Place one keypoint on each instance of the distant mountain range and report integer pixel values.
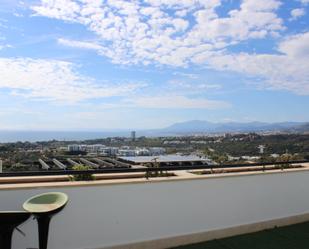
(184, 128)
(199, 126)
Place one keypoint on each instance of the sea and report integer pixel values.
(35, 136)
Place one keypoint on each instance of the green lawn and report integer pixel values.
(290, 237)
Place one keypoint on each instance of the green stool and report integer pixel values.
(43, 207)
(9, 220)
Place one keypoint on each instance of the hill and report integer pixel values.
(200, 126)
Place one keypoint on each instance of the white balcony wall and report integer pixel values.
(106, 215)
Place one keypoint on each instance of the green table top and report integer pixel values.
(46, 202)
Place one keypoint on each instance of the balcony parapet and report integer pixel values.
(24, 182)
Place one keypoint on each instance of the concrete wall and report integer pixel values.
(107, 215)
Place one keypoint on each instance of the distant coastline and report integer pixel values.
(192, 127)
(35, 136)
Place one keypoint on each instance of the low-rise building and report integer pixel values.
(126, 152)
(74, 147)
(156, 151)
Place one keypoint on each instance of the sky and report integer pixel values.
(115, 64)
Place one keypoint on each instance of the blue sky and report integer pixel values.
(95, 65)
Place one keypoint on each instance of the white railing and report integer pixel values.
(107, 215)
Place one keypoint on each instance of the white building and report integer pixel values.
(126, 152)
(253, 158)
(74, 147)
(142, 152)
(156, 151)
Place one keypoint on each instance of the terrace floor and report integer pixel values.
(289, 237)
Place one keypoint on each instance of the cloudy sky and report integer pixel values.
(96, 64)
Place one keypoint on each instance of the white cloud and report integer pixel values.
(155, 31)
(296, 46)
(288, 70)
(304, 1)
(4, 46)
(187, 75)
(176, 102)
(192, 87)
(55, 80)
(58, 81)
(296, 13)
(79, 44)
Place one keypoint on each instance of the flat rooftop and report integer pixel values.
(164, 159)
(289, 237)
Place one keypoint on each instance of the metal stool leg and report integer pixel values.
(6, 238)
(43, 226)
(9, 221)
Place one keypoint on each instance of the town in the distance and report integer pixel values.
(145, 151)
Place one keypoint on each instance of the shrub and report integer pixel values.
(82, 177)
(157, 173)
